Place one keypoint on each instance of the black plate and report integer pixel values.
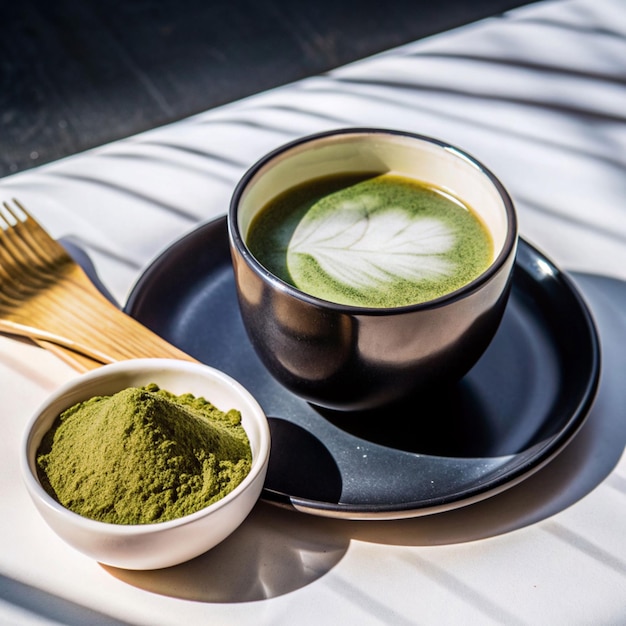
(514, 411)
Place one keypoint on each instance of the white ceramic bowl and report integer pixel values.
(151, 546)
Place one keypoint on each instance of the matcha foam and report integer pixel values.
(374, 241)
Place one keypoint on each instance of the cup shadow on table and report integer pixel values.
(277, 551)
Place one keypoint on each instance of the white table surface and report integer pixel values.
(540, 97)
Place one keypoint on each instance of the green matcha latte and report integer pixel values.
(372, 241)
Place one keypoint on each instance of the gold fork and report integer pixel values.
(46, 296)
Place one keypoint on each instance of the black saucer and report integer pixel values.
(514, 411)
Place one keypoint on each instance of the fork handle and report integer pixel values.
(78, 361)
(135, 340)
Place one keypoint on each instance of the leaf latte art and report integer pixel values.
(362, 249)
(373, 241)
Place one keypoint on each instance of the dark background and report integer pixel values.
(79, 73)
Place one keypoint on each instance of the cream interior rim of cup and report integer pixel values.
(423, 159)
(413, 156)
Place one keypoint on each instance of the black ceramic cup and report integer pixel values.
(351, 358)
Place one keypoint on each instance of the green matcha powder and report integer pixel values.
(143, 455)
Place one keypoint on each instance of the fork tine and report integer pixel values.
(11, 273)
(22, 267)
(31, 260)
(10, 237)
(46, 295)
(12, 292)
(48, 258)
(38, 241)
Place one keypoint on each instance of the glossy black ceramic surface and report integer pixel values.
(351, 358)
(516, 409)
